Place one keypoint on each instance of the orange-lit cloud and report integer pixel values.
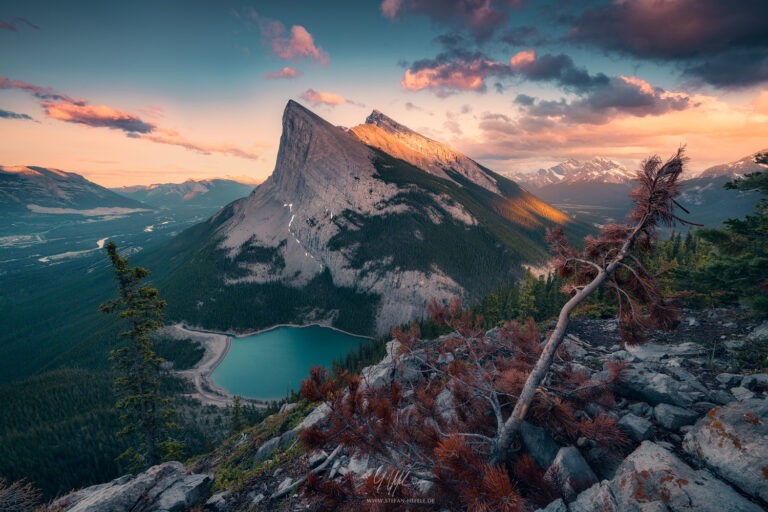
(446, 78)
(286, 72)
(325, 98)
(97, 116)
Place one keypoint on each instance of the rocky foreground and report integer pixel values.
(699, 425)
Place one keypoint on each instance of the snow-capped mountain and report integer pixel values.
(41, 190)
(597, 170)
(347, 224)
(212, 193)
(736, 168)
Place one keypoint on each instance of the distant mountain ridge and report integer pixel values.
(349, 230)
(596, 191)
(207, 193)
(736, 168)
(30, 188)
(596, 170)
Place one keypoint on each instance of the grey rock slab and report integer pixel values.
(166, 487)
(638, 428)
(741, 393)
(538, 444)
(571, 471)
(733, 442)
(654, 479)
(184, 493)
(673, 417)
(444, 403)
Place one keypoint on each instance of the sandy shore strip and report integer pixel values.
(238, 334)
(216, 347)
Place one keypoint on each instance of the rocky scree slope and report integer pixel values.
(341, 224)
(700, 432)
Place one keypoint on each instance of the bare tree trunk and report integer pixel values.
(507, 433)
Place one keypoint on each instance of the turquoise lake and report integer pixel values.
(266, 365)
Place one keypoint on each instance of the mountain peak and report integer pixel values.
(385, 122)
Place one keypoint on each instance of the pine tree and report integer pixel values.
(740, 262)
(526, 301)
(145, 413)
(236, 419)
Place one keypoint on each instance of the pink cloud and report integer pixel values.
(522, 58)
(297, 45)
(324, 98)
(286, 72)
(448, 77)
(97, 116)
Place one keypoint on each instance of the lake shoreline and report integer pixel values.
(217, 345)
(237, 334)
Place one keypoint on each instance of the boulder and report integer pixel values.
(756, 379)
(319, 413)
(640, 409)
(285, 484)
(164, 488)
(638, 428)
(653, 479)
(672, 417)
(274, 444)
(317, 458)
(538, 444)
(358, 464)
(759, 332)
(729, 379)
(653, 387)
(445, 405)
(571, 472)
(217, 502)
(733, 442)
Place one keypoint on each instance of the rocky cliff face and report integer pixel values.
(382, 211)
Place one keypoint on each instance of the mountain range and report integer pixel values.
(358, 227)
(208, 193)
(596, 190)
(42, 190)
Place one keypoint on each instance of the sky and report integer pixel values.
(129, 93)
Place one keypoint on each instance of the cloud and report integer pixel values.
(480, 17)
(520, 36)
(286, 72)
(42, 93)
(622, 95)
(7, 114)
(173, 138)
(100, 116)
(64, 108)
(459, 70)
(326, 98)
(451, 72)
(296, 45)
(719, 42)
(12, 25)
(453, 127)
